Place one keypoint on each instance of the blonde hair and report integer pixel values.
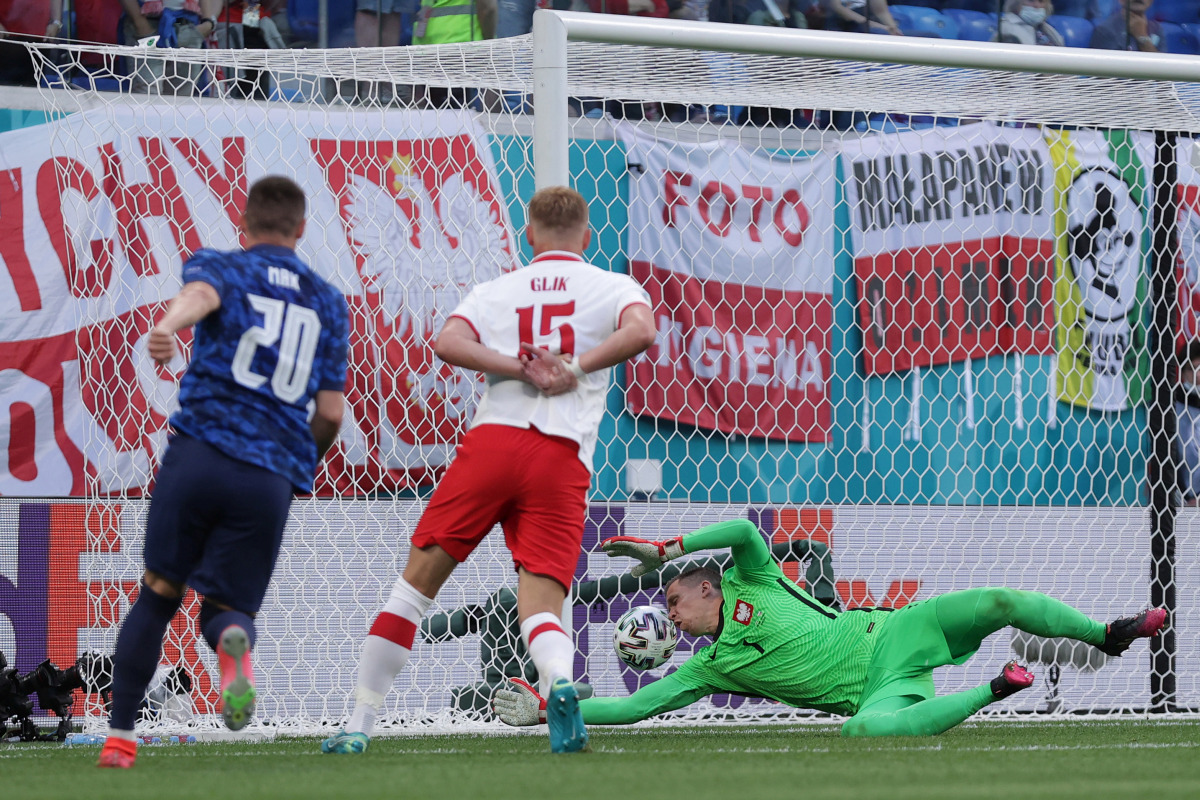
(558, 209)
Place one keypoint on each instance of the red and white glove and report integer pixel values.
(518, 704)
(652, 554)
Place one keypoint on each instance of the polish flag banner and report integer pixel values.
(100, 210)
(735, 248)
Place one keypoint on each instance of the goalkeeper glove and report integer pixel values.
(652, 554)
(518, 704)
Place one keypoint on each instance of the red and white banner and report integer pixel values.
(953, 244)
(1189, 241)
(99, 211)
(736, 250)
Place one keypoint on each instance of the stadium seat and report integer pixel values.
(919, 21)
(304, 19)
(1177, 11)
(1076, 32)
(1071, 8)
(1194, 29)
(973, 26)
(1100, 9)
(1177, 39)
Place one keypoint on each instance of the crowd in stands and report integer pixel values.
(1146, 25)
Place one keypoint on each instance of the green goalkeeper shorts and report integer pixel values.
(910, 647)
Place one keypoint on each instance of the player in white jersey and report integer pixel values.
(545, 335)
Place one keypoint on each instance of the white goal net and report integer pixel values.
(914, 321)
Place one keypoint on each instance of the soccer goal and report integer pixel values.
(918, 304)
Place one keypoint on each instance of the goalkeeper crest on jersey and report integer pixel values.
(772, 639)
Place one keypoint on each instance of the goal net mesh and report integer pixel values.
(904, 324)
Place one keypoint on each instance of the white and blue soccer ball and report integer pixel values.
(645, 638)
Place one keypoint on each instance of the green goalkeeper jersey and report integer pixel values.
(774, 641)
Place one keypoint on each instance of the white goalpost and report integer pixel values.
(917, 306)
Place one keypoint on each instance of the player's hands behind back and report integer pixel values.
(518, 704)
(652, 555)
(547, 371)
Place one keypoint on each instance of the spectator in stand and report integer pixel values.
(862, 16)
(1128, 28)
(1187, 411)
(28, 20)
(1024, 22)
(772, 13)
(377, 24)
(450, 22)
(247, 25)
(187, 24)
(637, 8)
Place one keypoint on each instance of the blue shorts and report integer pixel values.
(216, 523)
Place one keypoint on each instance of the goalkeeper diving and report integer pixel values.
(772, 639)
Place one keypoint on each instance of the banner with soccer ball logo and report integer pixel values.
(1100, 222)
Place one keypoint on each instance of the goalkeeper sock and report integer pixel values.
(385, 653)
(550, 647)
(139, 645)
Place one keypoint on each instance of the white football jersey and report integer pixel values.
(565, 305)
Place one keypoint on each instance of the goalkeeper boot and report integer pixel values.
(567, 734)
(117, 753)
(1120, 633)
(342, 742)
(1012, 679)
(237, 678)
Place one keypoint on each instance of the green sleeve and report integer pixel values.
(666, 694)
(741, 536)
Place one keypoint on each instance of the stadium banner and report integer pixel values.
(735, 248)
(68, 570)
(950, 231)
(98, 215)
(1102, 226)
(1189, 242)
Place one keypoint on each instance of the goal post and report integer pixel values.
(917, 304)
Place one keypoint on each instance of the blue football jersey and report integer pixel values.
(280, 335)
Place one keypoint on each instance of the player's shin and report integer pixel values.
(549, 647)
(139, 645)
(385, 653)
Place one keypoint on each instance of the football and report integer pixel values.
(645, 638)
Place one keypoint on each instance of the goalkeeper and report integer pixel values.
(772, 639)
(503, 653)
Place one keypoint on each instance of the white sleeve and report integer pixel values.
(470, 309)
(627, 292)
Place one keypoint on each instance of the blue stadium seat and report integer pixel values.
(919, 21)
(304, 19)
(1100, 9)
(1076, 32)
(1071, 8)
(1176, 39)
(1193, 28)
(1178, 11)
(973, 26)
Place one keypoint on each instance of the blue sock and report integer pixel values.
(139, 645)
(214, 621)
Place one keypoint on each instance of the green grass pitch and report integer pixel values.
(1132, 760)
